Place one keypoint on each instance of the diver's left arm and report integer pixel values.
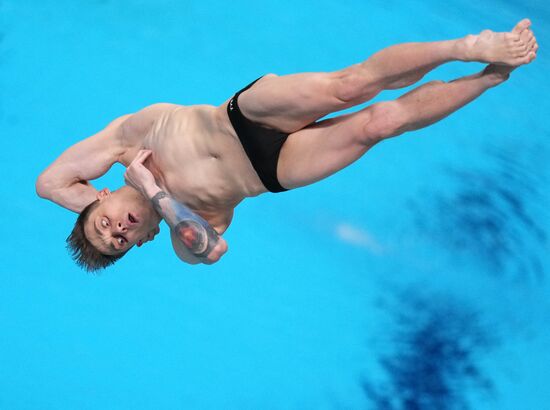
(194, 240)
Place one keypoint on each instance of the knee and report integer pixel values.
(352, 85)
(383, 120)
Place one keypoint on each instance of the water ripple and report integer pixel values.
(436, 343)
(493, 213)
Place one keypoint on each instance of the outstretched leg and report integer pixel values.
(291, 102)
(324, 148)
(404, 64)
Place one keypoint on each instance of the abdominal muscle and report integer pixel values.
(198, 160)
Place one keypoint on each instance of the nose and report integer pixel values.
(121, 227)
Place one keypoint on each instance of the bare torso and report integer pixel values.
(198, 159)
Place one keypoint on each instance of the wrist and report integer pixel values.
(152, 190)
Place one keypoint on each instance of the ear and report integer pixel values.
(104, 193)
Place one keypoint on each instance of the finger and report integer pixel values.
(141, 156)
(128, 175)
(144, 151)
(127, 180)
(144, 154)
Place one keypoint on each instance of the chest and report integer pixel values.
(190, 162)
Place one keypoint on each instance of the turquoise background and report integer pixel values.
(414, 279)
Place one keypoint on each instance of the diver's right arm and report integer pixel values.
(66, 180)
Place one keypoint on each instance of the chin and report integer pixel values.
(150, 217)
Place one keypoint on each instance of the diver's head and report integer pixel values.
(107, 228)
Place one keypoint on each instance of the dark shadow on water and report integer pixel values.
(431, 354)
(493, 213)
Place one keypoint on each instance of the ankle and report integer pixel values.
(463, 47)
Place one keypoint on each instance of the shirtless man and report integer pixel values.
(192, 165)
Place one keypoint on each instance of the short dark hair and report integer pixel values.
(86, 255)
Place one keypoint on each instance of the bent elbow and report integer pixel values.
(219, 250)
(210, 260)
(41, 187)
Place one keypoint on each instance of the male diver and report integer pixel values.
(192, 165)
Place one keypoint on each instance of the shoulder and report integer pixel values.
(135, 127)
(140, 122)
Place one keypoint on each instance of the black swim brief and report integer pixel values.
(262, 145)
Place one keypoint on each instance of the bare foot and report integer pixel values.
(530, 41)
(512, 48)
(497, 73)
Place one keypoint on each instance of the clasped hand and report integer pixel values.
(139, 177)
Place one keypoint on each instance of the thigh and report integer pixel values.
(323, 148)
(291, 102)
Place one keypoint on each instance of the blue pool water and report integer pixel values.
(417, 278)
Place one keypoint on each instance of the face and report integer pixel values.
(122, 219)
